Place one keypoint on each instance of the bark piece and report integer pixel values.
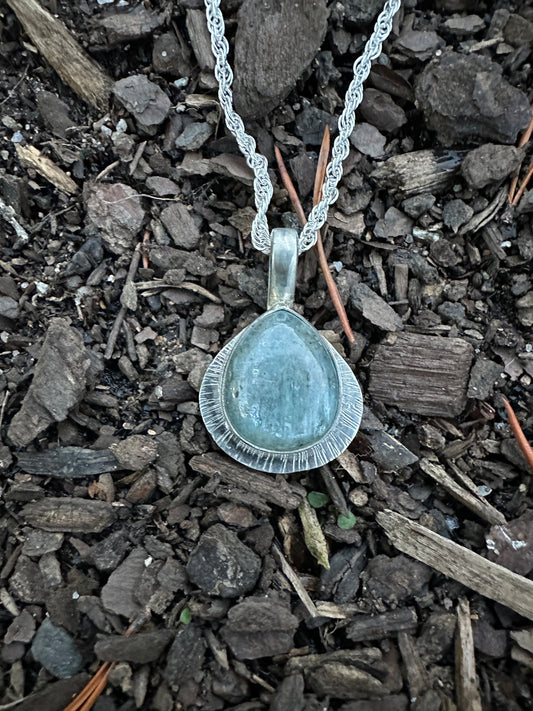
(141, 648)
(419, 172)
(274, 44)
(55, 649)
(145, 101)
(62, 51)
(58, 384)
(69, 514)
(68, 462)
(222, 565)
(186, 655)
(275, 490)
(259, 628)
(396, 579)
(181, 226)
(427, 375)
(487, 578)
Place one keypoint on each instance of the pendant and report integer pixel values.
(278, 397)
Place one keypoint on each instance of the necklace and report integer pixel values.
(278, 397)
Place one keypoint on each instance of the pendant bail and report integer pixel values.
(282, 268)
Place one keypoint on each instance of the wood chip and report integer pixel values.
(427, 375)
(466, 683)
(63, 52)
(68, 462)
(468, 568)
(313, 534)
(31, 157)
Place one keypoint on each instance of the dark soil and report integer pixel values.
(117, 289)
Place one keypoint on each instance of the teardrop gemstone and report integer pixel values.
(281, 387)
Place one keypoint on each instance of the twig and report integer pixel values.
(459, 563)
(295, 582)
(144, 248)
(334, 491)
(524, 445)
(123, 309)
(523, 140)
(319, 247)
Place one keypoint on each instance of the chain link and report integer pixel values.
(341, 146)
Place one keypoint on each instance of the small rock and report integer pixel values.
(303, 168)
(55, 649)
(484, 375)
(222, 565)
(380, 110)
(452, 312)
(118, 594)
(436, 636)
(518, 31)
(511, 544)
(140, 648)
(169, 57)
(54, 112)
(465, 26)
(311, 122)
(443, 253)
(358, 11)
(58, 384)
(481, 105)
(135, 452)
(161, 186)
(145, 101)
(185, 658)
(368, 140)
(259, 628)
(107, 553)
(417, 205)
(273, 47)
(490, 163)
(419, 44)
(393, 224)
(181, 226)
(193, 136)
(455, 213)
(396, 579)
(21, 629)
(116, 213)
(9, 308)
(374, 308)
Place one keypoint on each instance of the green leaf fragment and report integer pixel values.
(186, 616)
(317, 499)
(346, 522)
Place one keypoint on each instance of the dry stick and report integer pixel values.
(319, 248)
(466, 683)
(295, 582)
(62, 51)
(524, 185)
(468, 568)
(123, 309)
(524, 445)
(523, 140)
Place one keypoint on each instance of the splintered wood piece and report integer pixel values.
(69, 514)
(386, 624)
(31, 157)
(468, 568)
(418, 172)
(295, 581)
(63, 52)
(68, 462)
(417, 676)
(476, 504)
(466, 683)
(427, 375)
(275, 490)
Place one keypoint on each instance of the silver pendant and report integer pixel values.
(278, 397)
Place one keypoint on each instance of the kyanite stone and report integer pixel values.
(281, 389)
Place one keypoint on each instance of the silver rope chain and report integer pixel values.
(341, 146)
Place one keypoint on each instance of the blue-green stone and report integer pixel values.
(281, 388)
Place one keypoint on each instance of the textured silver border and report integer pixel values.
(333, 443)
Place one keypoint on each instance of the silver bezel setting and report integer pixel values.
(334, 442)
